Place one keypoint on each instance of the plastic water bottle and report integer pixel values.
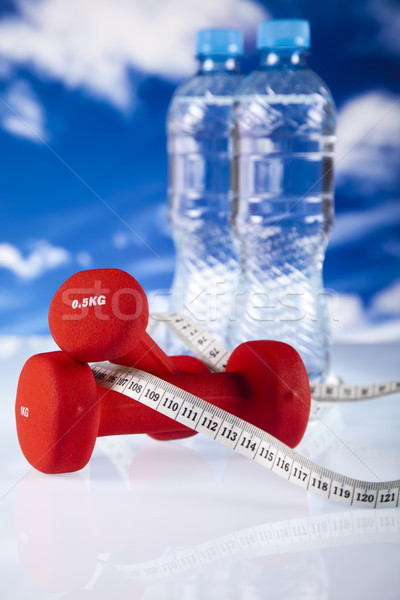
(282, 186)
(199, 152)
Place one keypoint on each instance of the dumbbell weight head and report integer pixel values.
(98, 314)
(265, 383)
(57, 412)
(102, 314)
(60, 411)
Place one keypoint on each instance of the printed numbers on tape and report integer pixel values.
(244, 438)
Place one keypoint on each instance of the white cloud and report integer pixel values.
(43, 257)
(9, 346)
(120, 240)
(354, 323)
(157, 265)
(387, 14)
(368, 141)
(16, 346)
(84, 259)
(356, 225)
(387, 302)
(392, 247)
(152, 221)
(22, 113)
(8, 300)
(94, 45)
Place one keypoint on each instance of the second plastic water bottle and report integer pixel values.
(199, 152)
(283, 135)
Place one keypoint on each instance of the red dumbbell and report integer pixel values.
(60, 410)
(102, 314)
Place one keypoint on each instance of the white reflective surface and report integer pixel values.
(189, 520)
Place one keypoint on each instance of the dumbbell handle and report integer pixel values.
(149, 357)
(120, 414)
(265, 383)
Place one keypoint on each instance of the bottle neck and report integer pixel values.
(218, 64)
(283, 59)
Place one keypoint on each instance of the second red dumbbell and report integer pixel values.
(60, 410)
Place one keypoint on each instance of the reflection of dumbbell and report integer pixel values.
(56, 535)
(63, 525)
(60, 410)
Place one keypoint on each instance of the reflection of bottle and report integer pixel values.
(283, 139)
(199, 174)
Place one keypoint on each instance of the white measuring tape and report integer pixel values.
(244, 438)
(240, 436)
(215, 356)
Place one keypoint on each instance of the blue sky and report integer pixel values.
(84, 89)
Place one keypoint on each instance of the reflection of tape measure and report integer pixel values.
(280, 537)
(244, 438)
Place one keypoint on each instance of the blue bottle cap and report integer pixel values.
(284, 33)
(223, 42)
